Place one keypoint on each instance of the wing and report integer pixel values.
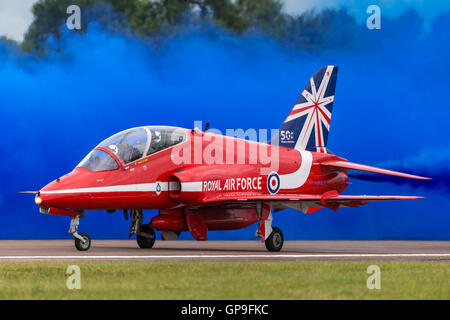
(362, 167)
(304, 202)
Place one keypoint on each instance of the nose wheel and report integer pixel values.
(82, 240)
(85, 244)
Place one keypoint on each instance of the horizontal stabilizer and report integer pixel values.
(362, 167)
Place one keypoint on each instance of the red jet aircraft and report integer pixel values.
(202, 181)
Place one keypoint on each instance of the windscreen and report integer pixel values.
(99, 160)
(128, 145)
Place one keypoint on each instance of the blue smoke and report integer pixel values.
(431, 163)
(390, 103)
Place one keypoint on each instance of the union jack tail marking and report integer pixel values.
(307, 125)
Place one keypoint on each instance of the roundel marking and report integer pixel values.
(273, 182)
(158, 188)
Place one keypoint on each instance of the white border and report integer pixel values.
(243, 256)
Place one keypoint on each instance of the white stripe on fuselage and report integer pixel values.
(142, 187)
(191, 186)
(297, 178)
(120, 188)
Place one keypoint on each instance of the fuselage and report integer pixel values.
(203, 166)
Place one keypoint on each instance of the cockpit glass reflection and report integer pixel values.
(99, 160)
(128, 145)
(131, 145)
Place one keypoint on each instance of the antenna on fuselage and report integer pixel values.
(198, 131)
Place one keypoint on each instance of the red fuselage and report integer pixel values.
(162, 181)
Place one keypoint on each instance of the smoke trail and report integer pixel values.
(431, 163)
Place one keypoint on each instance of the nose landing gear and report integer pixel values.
(82, 241)
(85, 244)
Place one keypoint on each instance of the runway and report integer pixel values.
(127, 250)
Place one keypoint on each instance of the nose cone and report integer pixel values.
(49, 196)
(57, 193)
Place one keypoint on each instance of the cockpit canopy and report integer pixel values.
(131, 145)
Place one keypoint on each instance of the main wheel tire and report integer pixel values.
(145, 242)
(83, 246)
(275, 241)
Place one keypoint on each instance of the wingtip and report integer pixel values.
(416, 177)
(413, 198)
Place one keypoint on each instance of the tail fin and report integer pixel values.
(308, 123)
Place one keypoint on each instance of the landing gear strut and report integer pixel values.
(82, 241)
(272, 236)
(145, 235)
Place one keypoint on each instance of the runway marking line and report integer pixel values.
(363, 255)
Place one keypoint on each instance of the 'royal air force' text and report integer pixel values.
(233, 184)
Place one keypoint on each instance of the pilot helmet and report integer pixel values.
(156, 136)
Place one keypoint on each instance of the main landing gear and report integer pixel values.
(145, 235)
(271, 236)
(275, 241)
(82, 240)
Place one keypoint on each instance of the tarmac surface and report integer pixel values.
(127, 250)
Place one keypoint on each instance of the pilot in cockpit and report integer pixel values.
(156, 142)
(128, 153)
(131, 145)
